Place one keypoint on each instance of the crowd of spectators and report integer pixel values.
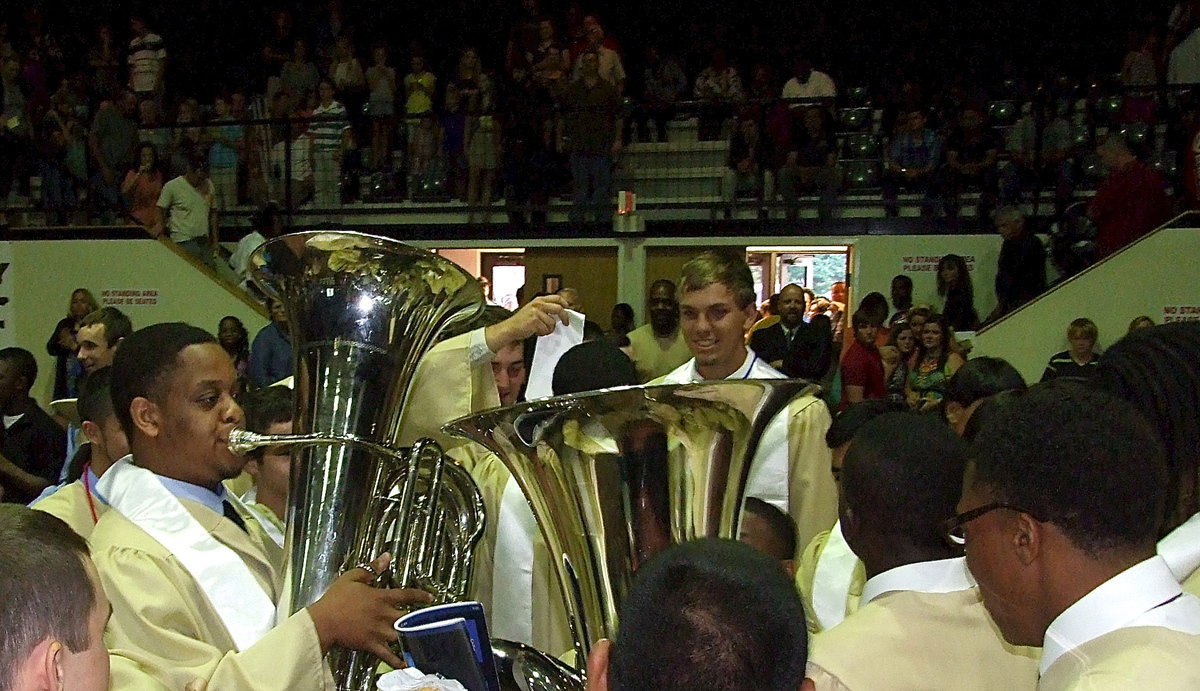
(94, 126)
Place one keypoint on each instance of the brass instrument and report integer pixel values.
(615, 476)
(362, 311)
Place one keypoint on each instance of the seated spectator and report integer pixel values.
(719, 86)
(808, 83)
(954, 284)
(53, 636)
(933, 365)
(32, 446)
(974, 382)
(1079, 361)
(811, 165)
(734, 619)
(911, 163)
(142, 187)
(268, 223)
(862, 367)
(747, 153)
(1028, 168)
(971, 151)
(663, 83)
(921, 617)
(1131, 202)
(1060, 511)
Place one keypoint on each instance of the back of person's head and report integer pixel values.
(901, 480)
(116, 324)
(710, 614)
(592, 330)
(986, 412)
(981, 377)
(95, 396)
(725, 268)
(46, 588)
(590, 366)
(1080, 459)
(779, 540)
(849, 421)
(144, 363)
(21, 364)
(1158, 371)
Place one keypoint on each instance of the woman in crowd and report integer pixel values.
(67, 370)
(898, 359)
(346, 73)
(468, 95)
(142, 186)
(234, 338)
(934, 364)
(954, 284)
(381, 106)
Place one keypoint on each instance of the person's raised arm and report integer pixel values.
(537, 318)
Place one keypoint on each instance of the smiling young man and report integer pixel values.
(194, 584)
(100, 333)
(1060, 511)
(53, 636)
(791, 467)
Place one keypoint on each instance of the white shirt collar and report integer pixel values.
(1113, 605)
(750, 368)
(1181, 549)
(940, 576)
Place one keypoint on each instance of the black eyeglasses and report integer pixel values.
(953, 529)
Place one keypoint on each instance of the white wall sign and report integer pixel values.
(1180, 313)
(128, 296)
(916, 264)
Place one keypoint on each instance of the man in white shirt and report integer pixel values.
(1060, 510)
(187, 214)
(920, 616)
(791, 467)
(807, 82)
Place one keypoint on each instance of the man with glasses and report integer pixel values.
(921, 622)
(1060, 510)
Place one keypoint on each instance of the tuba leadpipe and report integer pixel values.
(362, 311)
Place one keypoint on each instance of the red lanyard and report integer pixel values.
(87, 488)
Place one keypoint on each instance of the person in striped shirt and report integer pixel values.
(328, 126)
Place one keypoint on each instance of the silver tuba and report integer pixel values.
(615, 476)
(361, 312)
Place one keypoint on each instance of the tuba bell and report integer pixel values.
(362, 311)
(615, 476)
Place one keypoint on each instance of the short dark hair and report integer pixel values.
(874, 305)
(903, 476)
(1079, 458)
(590, 366)
(732, 617)
(116, 324)
(849, 421)
(266, 407)
(23, 364)
(1158, 370)
(41, 553)
(95, 396)
(146, 360)
(783, 526)
(982, 377)
(988, 409)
